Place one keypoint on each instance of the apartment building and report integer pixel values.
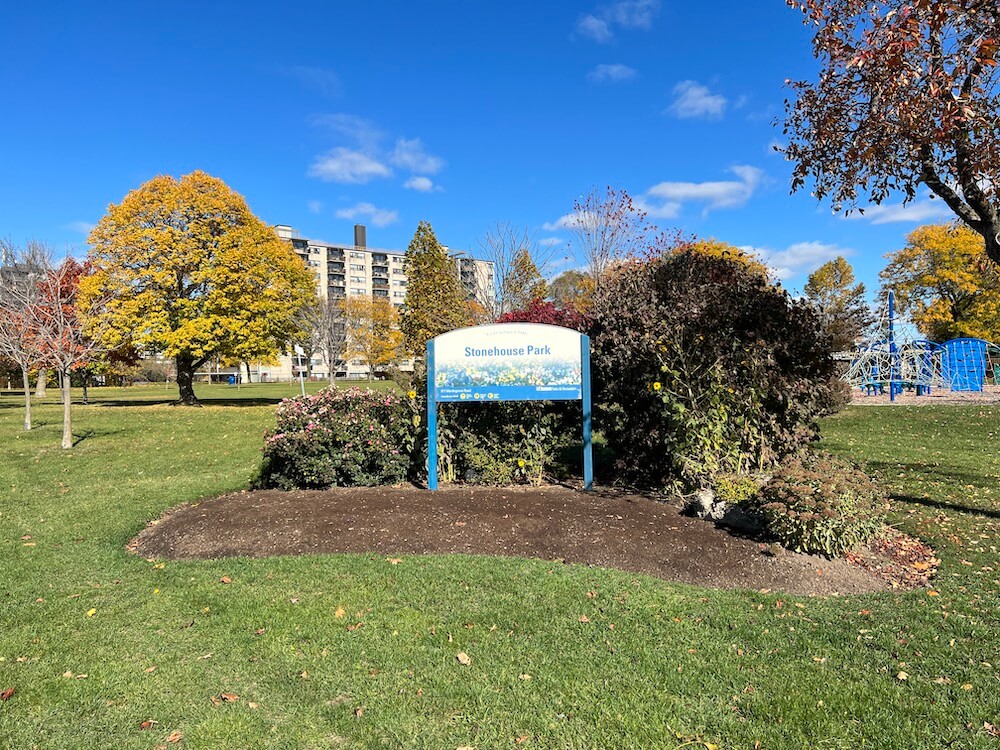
(344, 270)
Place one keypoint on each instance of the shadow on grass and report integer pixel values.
(172, 401)
(79, 437)
(941, 505)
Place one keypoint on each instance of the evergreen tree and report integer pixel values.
(436, 301)
(840, 302)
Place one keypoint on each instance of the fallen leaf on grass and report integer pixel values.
(68, 673)
(148, 724)
(253, 705)
(229, 697)
(966, 686)
(902, 676)
(463, 658)
(524, 676)
(6, 694)
(174, 737)
(933, 593)
(149, 670)
(260, 631)
(584, 618)
(91, 612)
(359, 711)
(225, 579)
(522, 739)
(990, 729)
(340, 612)
(394, 560)
(354, 627)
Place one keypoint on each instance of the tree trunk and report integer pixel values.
(43, 376)
(27, 398)
(249, 376)
(67, 438)
(185, 381)
(86, 379)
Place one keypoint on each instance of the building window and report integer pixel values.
(399, 282)
(357, 279)
(357, 255)
(356, 267)
(399, 294)
(355, 290)
(399, 272)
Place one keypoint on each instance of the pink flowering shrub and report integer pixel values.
(341, 437)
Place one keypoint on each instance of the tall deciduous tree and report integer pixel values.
(372, 329)
(68, 346)
(840, 302)
(324, 322)
(21, 271)
(609, 228)
(572, 290)
(906, 94)
(195, 275)
(518, 264)
(944, 280)
(435, 298)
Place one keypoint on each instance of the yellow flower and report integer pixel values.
(520, 462)
(412, 394)
(657, 386)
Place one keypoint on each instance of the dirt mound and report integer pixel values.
(603, 528)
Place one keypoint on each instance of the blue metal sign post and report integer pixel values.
(508, 362)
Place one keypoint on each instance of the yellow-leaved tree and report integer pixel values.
(193, 274)
(719, 249)
(945, 281)
(371, 328)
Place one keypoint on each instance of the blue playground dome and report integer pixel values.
(893, 362)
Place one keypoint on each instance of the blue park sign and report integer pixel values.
(508, 362)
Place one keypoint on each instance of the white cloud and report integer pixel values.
(551, 242)
(83, 227)
(409, 154)
(345, 165)
(719, 194)
(380, 217)
(594, 28)
(663, 209)
(421, 184)
(566, 221)
(614, 73)
(802, 257)
(366, 133)
(695, 100)
(626, 14)
(633, 14)
(323, 80)
(914, 212)
(315, 207)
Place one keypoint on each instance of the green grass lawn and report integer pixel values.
(354, 652)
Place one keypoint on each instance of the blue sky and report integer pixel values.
(461, 113)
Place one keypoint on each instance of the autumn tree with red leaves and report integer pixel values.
(906, 95)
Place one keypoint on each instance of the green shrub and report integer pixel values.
(507, 443)
(701, 368)
(341, 437)
(821, 505)
(735, 489)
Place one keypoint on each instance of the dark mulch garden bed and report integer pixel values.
(605, 528)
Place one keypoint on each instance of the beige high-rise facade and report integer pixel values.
(344, 270)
